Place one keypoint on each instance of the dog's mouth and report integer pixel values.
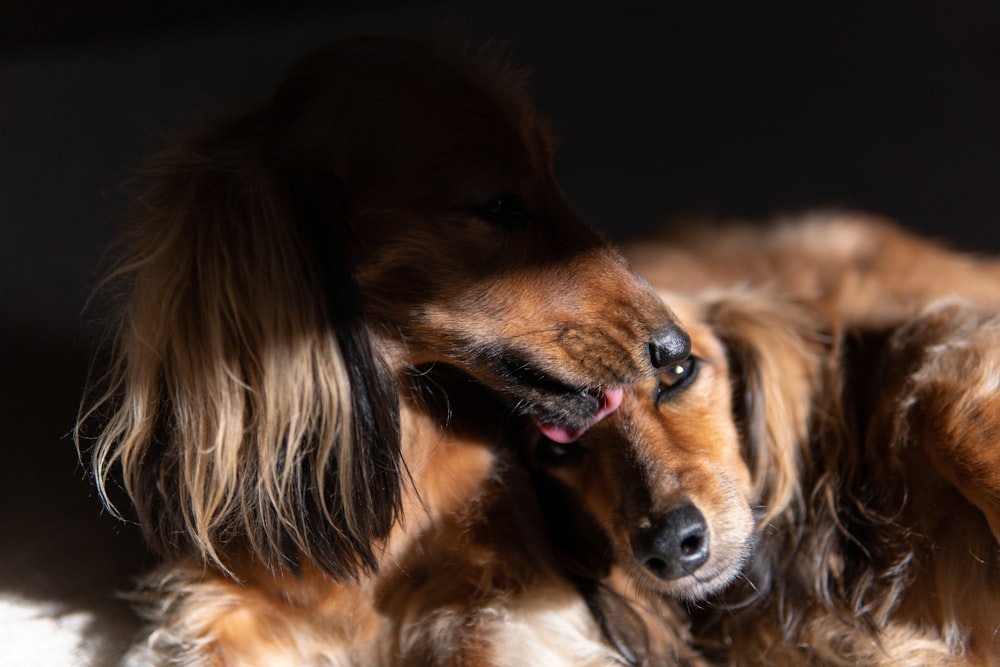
(696, 586)
(561, 411)
(606, 400)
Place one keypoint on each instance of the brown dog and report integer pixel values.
(821, 478)
(291, 281)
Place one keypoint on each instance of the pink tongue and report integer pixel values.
(610, 400)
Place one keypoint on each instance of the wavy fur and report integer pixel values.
(861, 365)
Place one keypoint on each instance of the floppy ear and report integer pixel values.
(245, 407)
(776, 356)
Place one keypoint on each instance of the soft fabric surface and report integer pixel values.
(39, 634)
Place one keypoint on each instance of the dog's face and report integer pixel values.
(673, 478)
(665, 476)
(468, 250)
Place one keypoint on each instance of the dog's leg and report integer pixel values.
(950, 399)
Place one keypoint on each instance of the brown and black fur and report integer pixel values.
(841, 429)
(284, 280)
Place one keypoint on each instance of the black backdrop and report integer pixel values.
(662, 110)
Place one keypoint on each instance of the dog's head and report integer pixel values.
(465, 247)
(682, 478)
(391, 205)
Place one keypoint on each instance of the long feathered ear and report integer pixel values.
(776, 354)
(245, 407)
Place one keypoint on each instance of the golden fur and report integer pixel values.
(839, 435)
(293, 282)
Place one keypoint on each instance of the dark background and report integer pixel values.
(662, 109)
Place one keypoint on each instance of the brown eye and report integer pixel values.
(675, 377)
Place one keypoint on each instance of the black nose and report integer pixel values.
(674, 544)
(669, 346)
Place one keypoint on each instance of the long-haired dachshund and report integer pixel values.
(820, 480)
(293, 283)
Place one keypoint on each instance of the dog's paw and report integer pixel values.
(950, 402)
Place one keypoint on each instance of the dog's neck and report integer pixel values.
(453, 430)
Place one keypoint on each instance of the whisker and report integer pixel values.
(749, 582)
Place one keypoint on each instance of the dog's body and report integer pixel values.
(291, 281)
(823, 480)
(467, 577)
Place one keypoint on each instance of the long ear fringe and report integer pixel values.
(788, 394)
(778, 354)
(245, 407)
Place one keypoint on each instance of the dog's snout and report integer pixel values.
(668, 346)
(673, 544)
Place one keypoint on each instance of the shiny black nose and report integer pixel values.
(669, 346)
(674, 544)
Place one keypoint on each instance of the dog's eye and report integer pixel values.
(504, 210)
(558, 454)
(675, 377)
